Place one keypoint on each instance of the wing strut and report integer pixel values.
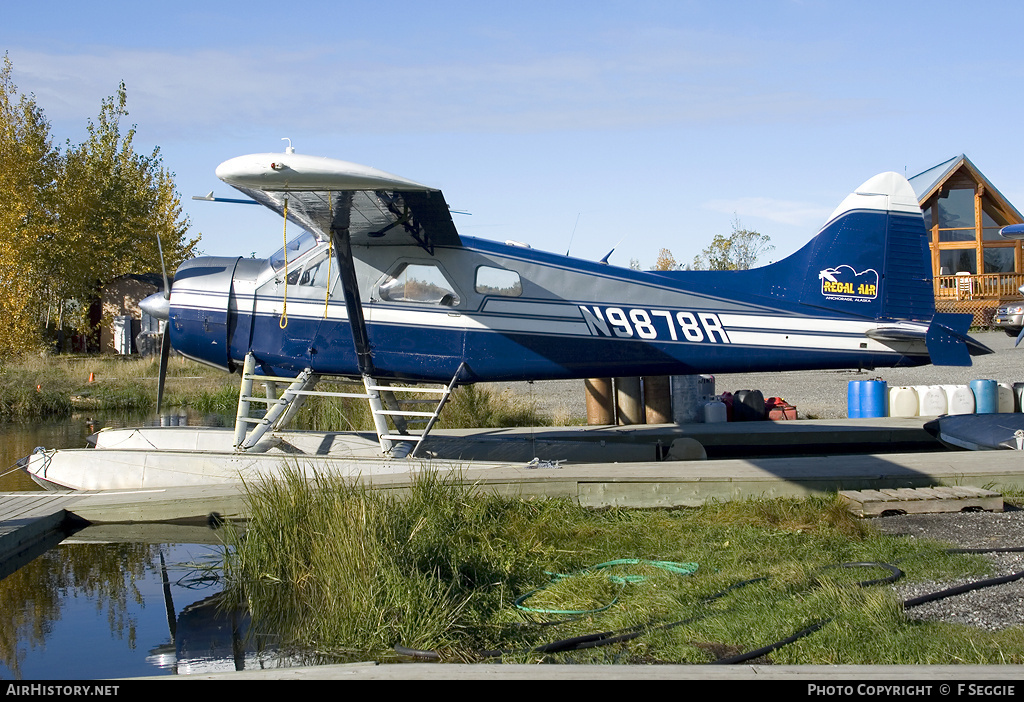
(340, 236)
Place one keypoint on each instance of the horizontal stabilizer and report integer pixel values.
(948, 343)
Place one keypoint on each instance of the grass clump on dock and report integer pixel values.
(346, 570)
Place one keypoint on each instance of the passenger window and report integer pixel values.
(498, 281)
(415, 282)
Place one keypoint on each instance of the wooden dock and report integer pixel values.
(30, 523)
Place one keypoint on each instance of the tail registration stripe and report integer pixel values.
(796, 324)
(807, 341)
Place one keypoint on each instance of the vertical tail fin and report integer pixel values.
(870, 260)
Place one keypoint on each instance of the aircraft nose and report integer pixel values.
(156, 305)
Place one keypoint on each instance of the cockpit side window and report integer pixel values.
(498, 281)
(312, 273)
(418, 282)
(295, 248)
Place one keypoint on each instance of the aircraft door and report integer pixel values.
(242, 307)
(289, 309)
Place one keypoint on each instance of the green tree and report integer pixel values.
(114, 204)
(738, 251)
(72, 222)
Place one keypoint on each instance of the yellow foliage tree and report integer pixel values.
(77, 220)
(28, 167)
(665, 261)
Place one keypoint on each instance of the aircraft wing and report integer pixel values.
(324, 194)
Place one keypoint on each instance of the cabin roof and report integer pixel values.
(928, 182)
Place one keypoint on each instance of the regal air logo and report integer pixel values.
(844, 283)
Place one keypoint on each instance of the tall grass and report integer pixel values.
(346, 569)
(343, 568)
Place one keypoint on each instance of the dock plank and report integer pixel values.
(925, 500)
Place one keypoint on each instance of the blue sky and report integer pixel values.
(567, 125)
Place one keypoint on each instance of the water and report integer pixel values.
(117, 601)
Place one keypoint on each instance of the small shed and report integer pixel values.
(122, 319)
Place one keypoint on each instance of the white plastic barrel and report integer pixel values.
(903, 402)
(960, 399)
(1018, 391)
(1005, 397)
(931, 400)
(714, 411)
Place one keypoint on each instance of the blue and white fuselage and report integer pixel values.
(380, 282)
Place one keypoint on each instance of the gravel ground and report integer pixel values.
(816, 394)
(991, 608)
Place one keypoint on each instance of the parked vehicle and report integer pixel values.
(1009, 318)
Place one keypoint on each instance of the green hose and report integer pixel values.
(621, 580)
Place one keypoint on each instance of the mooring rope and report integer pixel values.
(283, 322)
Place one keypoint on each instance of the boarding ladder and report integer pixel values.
(388, 403)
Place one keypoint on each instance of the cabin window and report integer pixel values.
(313, 273)
(998, 260)
(498, 281)
(295, 248)
(418, 282)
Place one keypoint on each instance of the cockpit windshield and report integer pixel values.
(296, 247)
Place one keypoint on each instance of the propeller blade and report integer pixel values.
(160, 248)
(165, 352)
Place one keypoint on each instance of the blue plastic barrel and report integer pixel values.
(874, 401)
(854, 391)
(986, 396)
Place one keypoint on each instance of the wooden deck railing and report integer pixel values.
(983, 286)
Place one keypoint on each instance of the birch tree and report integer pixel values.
(736, 252)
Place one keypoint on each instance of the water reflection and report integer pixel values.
(92, 608)
(118, 600)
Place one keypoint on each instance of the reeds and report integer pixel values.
(34, 387)
(342, 567)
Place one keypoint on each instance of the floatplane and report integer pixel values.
(377, 285)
